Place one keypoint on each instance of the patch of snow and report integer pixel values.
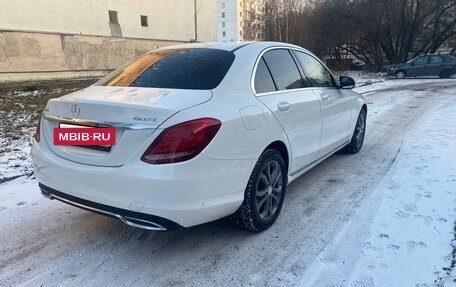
(363, 78)
(396, 84)
(14, 154)
(401, 234)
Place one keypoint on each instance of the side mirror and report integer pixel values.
(412, 64)
(346, 82)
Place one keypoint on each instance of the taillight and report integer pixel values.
(182, 141)
(38, 129)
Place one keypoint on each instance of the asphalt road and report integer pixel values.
(47, 243)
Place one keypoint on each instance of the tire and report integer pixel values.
(400, 74)
(263, 200)
(357, 139)
(445, 74)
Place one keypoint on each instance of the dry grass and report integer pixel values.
(20, 106)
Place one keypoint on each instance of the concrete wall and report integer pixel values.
(53, 39)
(39, 56)
(168, 19)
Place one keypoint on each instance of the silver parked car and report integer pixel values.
(443, 66)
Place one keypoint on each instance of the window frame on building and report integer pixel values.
(144, 21)
(113, 17)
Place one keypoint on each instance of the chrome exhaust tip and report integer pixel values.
(130, 221)
(47, 195)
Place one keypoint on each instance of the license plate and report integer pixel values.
(75, 135)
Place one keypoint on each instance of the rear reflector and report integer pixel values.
(182, 142)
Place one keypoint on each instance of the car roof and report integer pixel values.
(228, 46)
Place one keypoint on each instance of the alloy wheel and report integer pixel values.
(400, 75)
(360, 129)
(269, 190)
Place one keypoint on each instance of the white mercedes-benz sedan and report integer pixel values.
(188, 134)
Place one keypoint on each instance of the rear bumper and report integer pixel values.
(186, 194)
(131, 218)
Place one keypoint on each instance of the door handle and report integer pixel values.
(324, 97)
(283, 106)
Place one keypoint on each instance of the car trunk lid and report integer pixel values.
(134, 112)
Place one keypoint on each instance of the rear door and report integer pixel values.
(451, 63)
(336, 105)
(279, 85)
(435, 66)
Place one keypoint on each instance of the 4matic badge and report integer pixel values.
(145, 119)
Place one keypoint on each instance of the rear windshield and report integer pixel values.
(195, 69)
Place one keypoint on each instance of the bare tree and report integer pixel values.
(379, 32)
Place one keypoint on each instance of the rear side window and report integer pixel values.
(263, 79)
(436, 60)
(318, 75)
(283, 69)
(195, 69)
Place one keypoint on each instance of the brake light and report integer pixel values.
(182, 142)
(38, 130)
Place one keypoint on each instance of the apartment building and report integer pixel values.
(50, 39)
(240, 20)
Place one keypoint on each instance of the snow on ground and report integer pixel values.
(19, 111)
(368, 82)
(401, 234)
(362, 78)
(383, 217)
(16, 133)
(394, 84)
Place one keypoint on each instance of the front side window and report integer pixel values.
(317, 74)
(420, 61)
(196, 69)
(283, 69)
